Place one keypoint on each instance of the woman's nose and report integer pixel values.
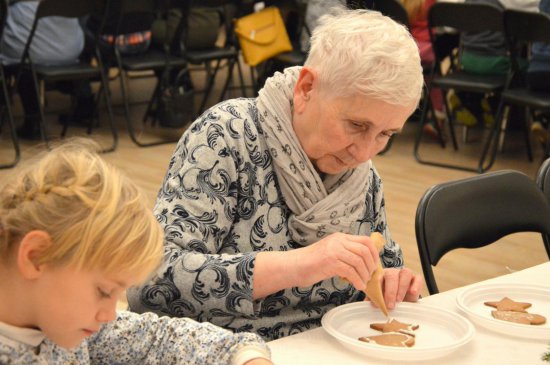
(362, 151)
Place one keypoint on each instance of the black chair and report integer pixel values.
(42, 74)
(475, 212)
(522, 29)
(543, 177)
(543, 182)
(228, 52)
(462, 17)
(394, 9)
(6, 116)
(161, 61)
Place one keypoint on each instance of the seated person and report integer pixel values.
(74, 234)
(269, 202)
(57, 41)
(484, 53)
(538, 79)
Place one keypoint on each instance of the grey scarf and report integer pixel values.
(319, 207)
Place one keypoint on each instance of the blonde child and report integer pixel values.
(74, 234)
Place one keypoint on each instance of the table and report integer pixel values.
(316, 347)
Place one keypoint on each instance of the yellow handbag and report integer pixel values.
(262, 35)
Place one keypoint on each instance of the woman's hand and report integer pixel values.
(259, 361)
(401, 285)
(354, 258)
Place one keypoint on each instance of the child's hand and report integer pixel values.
(259, 361)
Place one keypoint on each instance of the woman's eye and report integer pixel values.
(103, 294)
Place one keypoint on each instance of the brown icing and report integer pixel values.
(394, 339)
(519, 317)
(394, 325)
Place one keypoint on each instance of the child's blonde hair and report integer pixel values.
(96, 217)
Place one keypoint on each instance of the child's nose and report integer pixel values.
(107, 313)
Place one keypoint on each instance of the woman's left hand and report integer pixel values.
(401, 285)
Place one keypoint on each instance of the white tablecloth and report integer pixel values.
(316, 347)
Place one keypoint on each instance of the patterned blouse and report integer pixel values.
(135, 339)
(220, 204)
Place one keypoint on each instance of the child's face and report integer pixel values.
(72, 305)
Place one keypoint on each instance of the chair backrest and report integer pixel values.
(462, 17)
(466, 17)
(543, 178)
(522, 28)
(63, 8)
(393, 9)
(475, 212)
(543, 182)
(526, 26)
(66, 8)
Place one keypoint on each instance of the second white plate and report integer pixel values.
(440, 333)
(471, 302)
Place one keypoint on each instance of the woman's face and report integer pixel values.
(340, 133)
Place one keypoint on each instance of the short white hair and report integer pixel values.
(362, 51)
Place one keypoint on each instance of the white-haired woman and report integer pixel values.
(269, 202)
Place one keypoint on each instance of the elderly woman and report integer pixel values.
(269, 202)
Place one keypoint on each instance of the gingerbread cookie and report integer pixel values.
(394, 325)
(519, 317)
(507, 304)
(394, 339)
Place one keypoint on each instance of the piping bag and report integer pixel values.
(374, 285)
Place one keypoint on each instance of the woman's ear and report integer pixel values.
(32, 247)
(304, 88)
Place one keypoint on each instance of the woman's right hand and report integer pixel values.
(352, 257)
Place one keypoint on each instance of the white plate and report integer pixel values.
(440, 333)
(471, 300)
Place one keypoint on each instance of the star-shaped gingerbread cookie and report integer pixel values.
(394, 325)
(507, 304)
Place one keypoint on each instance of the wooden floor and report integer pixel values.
(405, 180)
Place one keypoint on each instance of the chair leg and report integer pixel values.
(39, 89)
(7, 114)
(241, 77)
(421, 123)
(228, 79)
(105, 90)
(450, 120)
(149, 112)
(209, 85)
(527, 131)
(493, 139)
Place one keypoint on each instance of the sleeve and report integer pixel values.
(205, 274)
(392, 256)
(149, 339)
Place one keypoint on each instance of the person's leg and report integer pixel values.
(540, 128)
(539, 80)
(27, 94)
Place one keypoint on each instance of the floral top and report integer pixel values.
(135, 339)
(220, 204)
